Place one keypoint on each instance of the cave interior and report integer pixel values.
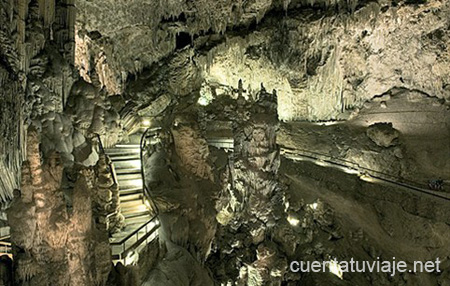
(221, 143)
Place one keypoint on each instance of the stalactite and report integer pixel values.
(47, 11)
(286, 4)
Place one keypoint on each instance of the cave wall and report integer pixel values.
(323, 64)
(54, 244)
(27, 89)
(323, 57)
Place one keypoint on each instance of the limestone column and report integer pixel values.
(256, 162)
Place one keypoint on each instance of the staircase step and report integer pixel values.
(137, 219)
(116, 150)
(128, 177)
(131, 197)
(127, 146)
(125, 157)
(128, 171)
(129, 208)
(130, 191)
(130, 184)
(131, 204)
(129, 164)
(136, 212)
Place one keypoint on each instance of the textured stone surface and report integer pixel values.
(325, 64)
(195, 66)
(52, 245)
(383, 134)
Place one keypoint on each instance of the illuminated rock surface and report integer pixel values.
(280, 130)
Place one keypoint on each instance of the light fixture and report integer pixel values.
(367, 178)
(131, 259)
(146, 122)
(351, 171)
(313, 206)
(293, 221)
(203, 101)
(322, 163)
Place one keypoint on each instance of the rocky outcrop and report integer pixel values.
(255, 199)
(33, 83)
(323, 63)
(383, 134)
(106, 202)
(112, 37)
(51, 244)
(91, 112)
(191, 148)
(12, 97)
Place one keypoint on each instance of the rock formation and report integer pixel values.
(281, 130)
(55, 245)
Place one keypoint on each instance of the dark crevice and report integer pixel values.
(175, 19)
(183, 40)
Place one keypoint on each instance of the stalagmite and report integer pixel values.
(205, 142)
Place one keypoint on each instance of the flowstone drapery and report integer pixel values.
(54, 244)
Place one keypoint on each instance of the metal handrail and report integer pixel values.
(124, 239)
(381, 176)
(349, 164)
(124, 252)
(5, 246)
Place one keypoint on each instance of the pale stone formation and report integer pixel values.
(256, 157)
(91, 112)
(113, 36)
(255, 197)
(323, 65)
(12, 99)
(54, 246)
(106, 202)
(191, 148)
(28, 91)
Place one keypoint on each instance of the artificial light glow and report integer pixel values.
(367, 178)
(327, 123)
(351, 171)
(286, 206)
(314, 206)
(131, 259)
(293, 221)
(203, 101)
(135, 183)
(142, 208)
(152, 224)
(322, 163)
(335, 268)
(146, 123)
(136, 147)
